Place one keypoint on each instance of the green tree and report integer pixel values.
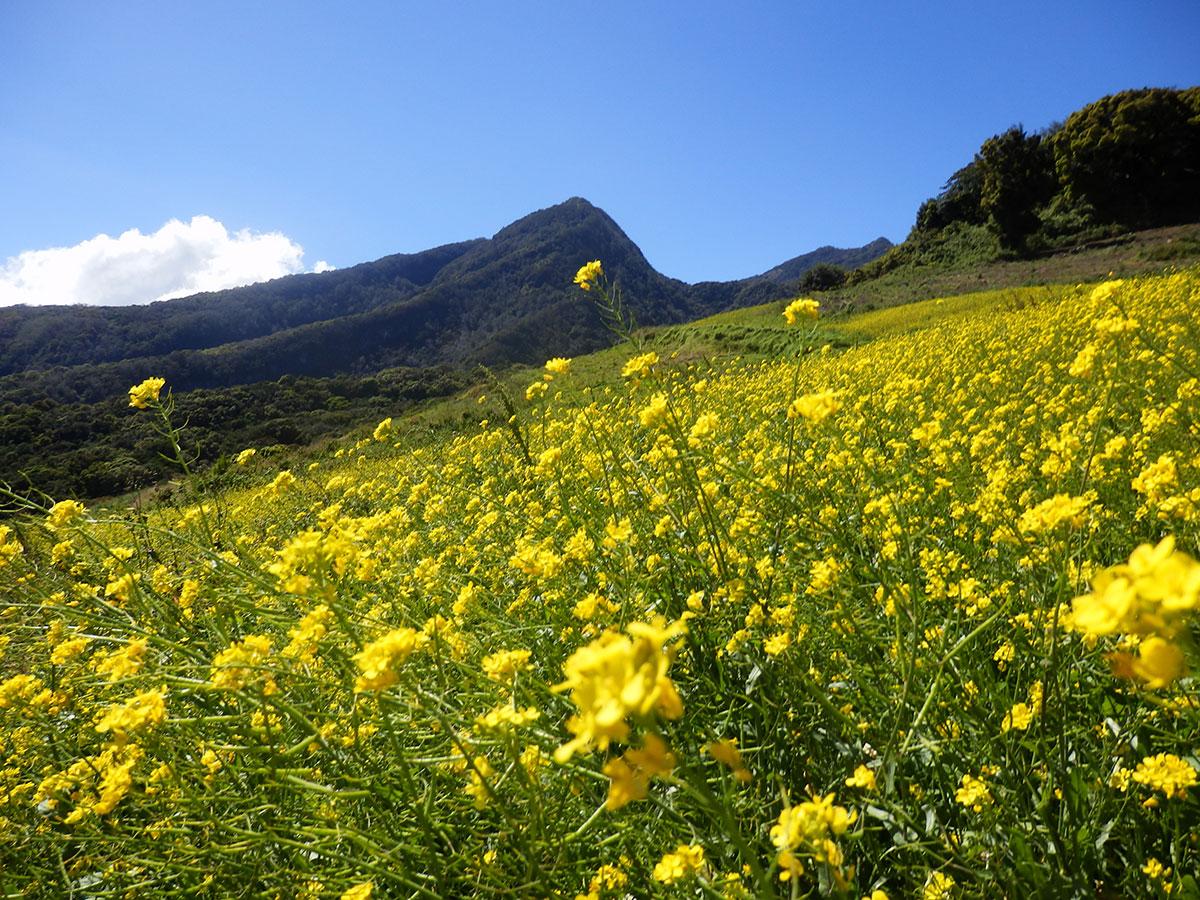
(1017, 176)
(1134, 156)
(822, 276)
(958, 201)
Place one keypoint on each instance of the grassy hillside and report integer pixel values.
(870, 611)
(68, 447)
(926, 267)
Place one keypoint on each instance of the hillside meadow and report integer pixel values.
(899, 610)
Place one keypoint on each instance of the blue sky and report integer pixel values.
(724, 138)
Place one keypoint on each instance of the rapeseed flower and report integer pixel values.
(69, 649)
(640, 366)
(1159, 663)
(684, 862)
(615, 677)
(241, 663)
(1019, 718)
(1166, 772)
(940, 886)
(115, 783)
(377, 661)
(588, 273)
(806, 827)
(862, 778)
(142, 711)
(503, 665)
(816, 408)
(973, 793)
(64, 512)
(311, 628)
(1157, 585)
(727, 752)
(702, 428)
(18, 689)
(1084, 362)
(282, 482)
(125, 662)
(804, 307)
(142, 395)
(10, 547)
(1057, 510)
(481, 770)
(654, 412)
(630, 774)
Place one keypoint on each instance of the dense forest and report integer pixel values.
(1124, 162)
(105, 448)
(1130, 160)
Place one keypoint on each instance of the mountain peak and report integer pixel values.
(500, 300)
(568, 213)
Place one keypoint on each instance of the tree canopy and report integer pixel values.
(1130, 159)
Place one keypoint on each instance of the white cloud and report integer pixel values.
(177, 260)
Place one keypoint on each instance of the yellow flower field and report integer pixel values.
(904, 620)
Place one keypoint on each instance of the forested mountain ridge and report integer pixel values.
(795, 267)
(506, 299)
(41, 337)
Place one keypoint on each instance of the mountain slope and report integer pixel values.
(44, 336)
(847, 259)
(502, 300)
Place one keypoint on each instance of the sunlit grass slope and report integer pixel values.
(893, 620)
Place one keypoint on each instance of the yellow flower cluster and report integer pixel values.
(142, 711)
(378, 660)
(640, 366)
(588, 273)
(142, 395)
(1166, 772)
(10, 547)
(863, 777)
(1053, 512)
(617, 676)
(655, 412)
(94, 785)
(241, 664)
(125, 662)
(630, 774)
(503, 665)
(308, 632)
(808, 829)
(973, 793)
(816, 408)
(282, 482)
(64, 512)
(802, 307)
(686, 861)
(1147, 596)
